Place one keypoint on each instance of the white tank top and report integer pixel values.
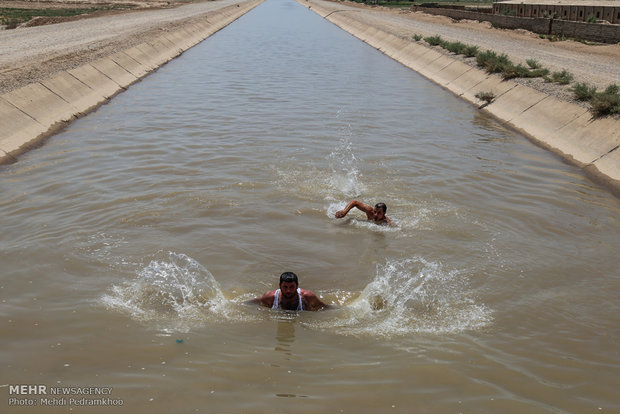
(276, 300)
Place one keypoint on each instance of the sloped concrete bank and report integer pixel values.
(31, 114)
(567, 129)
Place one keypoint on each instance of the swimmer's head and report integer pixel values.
(288, 277)
(379, 211)
(381, 206)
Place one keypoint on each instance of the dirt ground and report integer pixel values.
(30, 54)
(60, 4)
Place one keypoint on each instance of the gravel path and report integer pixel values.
(30, 54)
(26, 42)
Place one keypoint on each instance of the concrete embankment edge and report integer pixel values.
(564, 128)
(31, 114)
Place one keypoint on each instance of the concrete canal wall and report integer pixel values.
(562, 127)
(30, 114)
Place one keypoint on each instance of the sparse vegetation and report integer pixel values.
(558, 38)
(533, 64)
(434, 40)
(539, 73)
(455, 47)
(492, 62)
(520, 71)
(470, 51)
(583, 91)
(563, 78)
(603, 103)
(12, 17)
(417, 37)
(606, 102)
(485, 96)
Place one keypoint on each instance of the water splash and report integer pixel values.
(345, 178)
(411, 296)
(341, 179)
(406, 296)
(174, 293)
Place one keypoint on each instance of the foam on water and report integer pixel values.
(411, 296)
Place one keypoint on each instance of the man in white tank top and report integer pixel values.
(290, 297)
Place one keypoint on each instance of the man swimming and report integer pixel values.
(376, 214)
(290, 297)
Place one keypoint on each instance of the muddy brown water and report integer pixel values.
(131, 240)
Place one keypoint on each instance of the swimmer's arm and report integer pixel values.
(265, 300)
(314, 303)
(357, 204)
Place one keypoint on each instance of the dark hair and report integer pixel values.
(288, 277)
(382, 206)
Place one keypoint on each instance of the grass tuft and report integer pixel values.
(434, 40)
(533, 64)
(492, 62)
(563, 78)
(471, 51)
(583, 91)
(606, 102)
(485, 96)
(455, 47)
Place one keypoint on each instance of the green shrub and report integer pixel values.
(485, 96)
(606, 102)
(455, 47)
(492, 62)
(434, 40)
(533, 64)
(591, 19)
(563, 78)
(539, 73)
(417, 37)
(518, 71)
(470, 51)
(583, 91)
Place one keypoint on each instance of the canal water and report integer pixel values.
(131, 240)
